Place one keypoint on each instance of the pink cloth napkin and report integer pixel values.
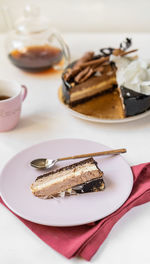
(85, 240)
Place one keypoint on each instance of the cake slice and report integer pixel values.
(80, 177)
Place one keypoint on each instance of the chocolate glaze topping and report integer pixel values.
(135, 103)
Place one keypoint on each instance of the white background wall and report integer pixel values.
(90, 15)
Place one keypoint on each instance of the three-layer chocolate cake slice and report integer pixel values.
(80, 177)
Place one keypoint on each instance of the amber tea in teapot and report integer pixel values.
(32, 44)
(36, 58)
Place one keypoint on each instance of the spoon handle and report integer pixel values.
(107, 152)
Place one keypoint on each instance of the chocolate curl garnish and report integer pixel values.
(128, 52)
(94, 62)
(86, 57)
(89, 71)
(71, 73)
(103, 59)
(84, 75)
(87, 65)
(117, 52)
(101, 65)
(76, 68)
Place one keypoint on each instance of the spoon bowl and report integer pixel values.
(43, 163)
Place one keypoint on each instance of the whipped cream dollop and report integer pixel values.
(133, 73)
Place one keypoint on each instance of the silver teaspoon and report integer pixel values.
(49, 163)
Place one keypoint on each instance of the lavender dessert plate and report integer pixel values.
(18, 175)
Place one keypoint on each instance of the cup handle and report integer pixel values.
(24, 92)
(66, 52)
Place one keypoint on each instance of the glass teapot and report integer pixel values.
(33, 46)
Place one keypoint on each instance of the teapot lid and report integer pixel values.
(31, 21)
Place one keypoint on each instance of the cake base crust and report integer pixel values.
(106, 106)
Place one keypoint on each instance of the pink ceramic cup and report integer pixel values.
(10, 109)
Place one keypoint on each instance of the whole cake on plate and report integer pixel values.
(80, 177)
(116, 76)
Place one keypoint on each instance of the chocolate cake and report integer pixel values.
(80, 177)
(95, 75)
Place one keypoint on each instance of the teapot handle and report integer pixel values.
(66, 52)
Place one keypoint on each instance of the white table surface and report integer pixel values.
(44, 118)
